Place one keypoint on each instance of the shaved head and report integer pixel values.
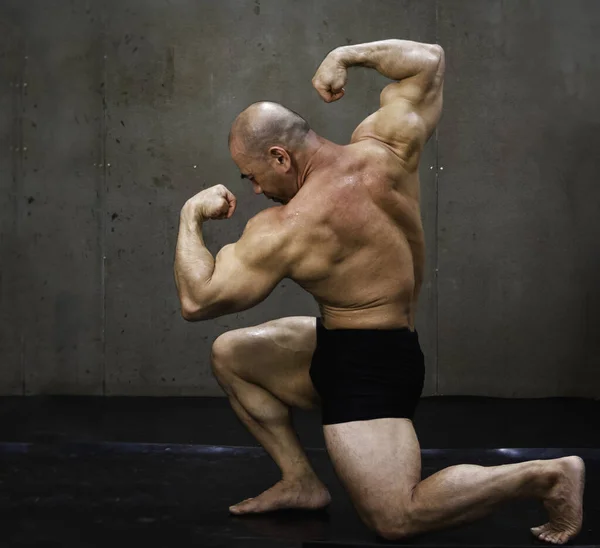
(265, 124)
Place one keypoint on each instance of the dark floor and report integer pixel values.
(447, 422)
(162, 472)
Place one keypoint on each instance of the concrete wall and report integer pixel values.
(113, 113)
(519, 199)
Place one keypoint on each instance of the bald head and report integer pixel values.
(265, 124)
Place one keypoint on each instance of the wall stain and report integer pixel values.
(169, 77)
(164, 181)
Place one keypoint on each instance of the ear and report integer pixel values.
(280, 158)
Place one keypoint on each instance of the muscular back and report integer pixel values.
(363, 248)
(352, 235)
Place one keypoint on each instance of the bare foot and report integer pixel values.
(564, 503)
(305, 494)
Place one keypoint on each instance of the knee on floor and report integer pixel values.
(391, 525)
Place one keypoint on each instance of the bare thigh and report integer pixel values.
(275, 355)
(379, 463)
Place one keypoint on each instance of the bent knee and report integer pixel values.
(222, 356)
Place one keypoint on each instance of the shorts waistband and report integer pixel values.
(375, 331)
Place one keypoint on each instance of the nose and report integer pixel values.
(257, 189)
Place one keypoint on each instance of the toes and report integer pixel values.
(548, 534)
(241, 507)
(552, 537)
(538, 530)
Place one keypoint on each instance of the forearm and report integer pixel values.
(194, 264)
(395, 59)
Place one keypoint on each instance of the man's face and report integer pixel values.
(265, 180)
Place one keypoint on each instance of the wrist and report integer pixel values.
(341, 56)
(191, 214)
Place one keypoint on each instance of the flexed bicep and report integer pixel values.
(410, 107)
(413, 104)
(402, 123)
(247, 271)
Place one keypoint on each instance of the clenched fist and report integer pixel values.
(216, 202)
(330, 78)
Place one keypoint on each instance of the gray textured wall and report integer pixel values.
(519, 199)
(113, 113)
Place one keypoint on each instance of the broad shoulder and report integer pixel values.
(374, 158)
(264, 229)
(403, 145)
(263, 220)
(367, 150)
(267, 238)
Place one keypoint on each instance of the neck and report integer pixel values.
(314, 153)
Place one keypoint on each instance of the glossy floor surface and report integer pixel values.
(95, 472)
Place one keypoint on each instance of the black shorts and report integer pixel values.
(364, 374)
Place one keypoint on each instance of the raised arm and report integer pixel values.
(410, 107)
(242, 274)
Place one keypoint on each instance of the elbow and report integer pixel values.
(191, 311)
(189, 315)
(438, 59)
(437, 51)
(432, 56)
(435, 67)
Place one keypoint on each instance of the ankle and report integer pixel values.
(299, 474)
(545, 475)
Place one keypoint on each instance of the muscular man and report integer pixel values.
(349, 232)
